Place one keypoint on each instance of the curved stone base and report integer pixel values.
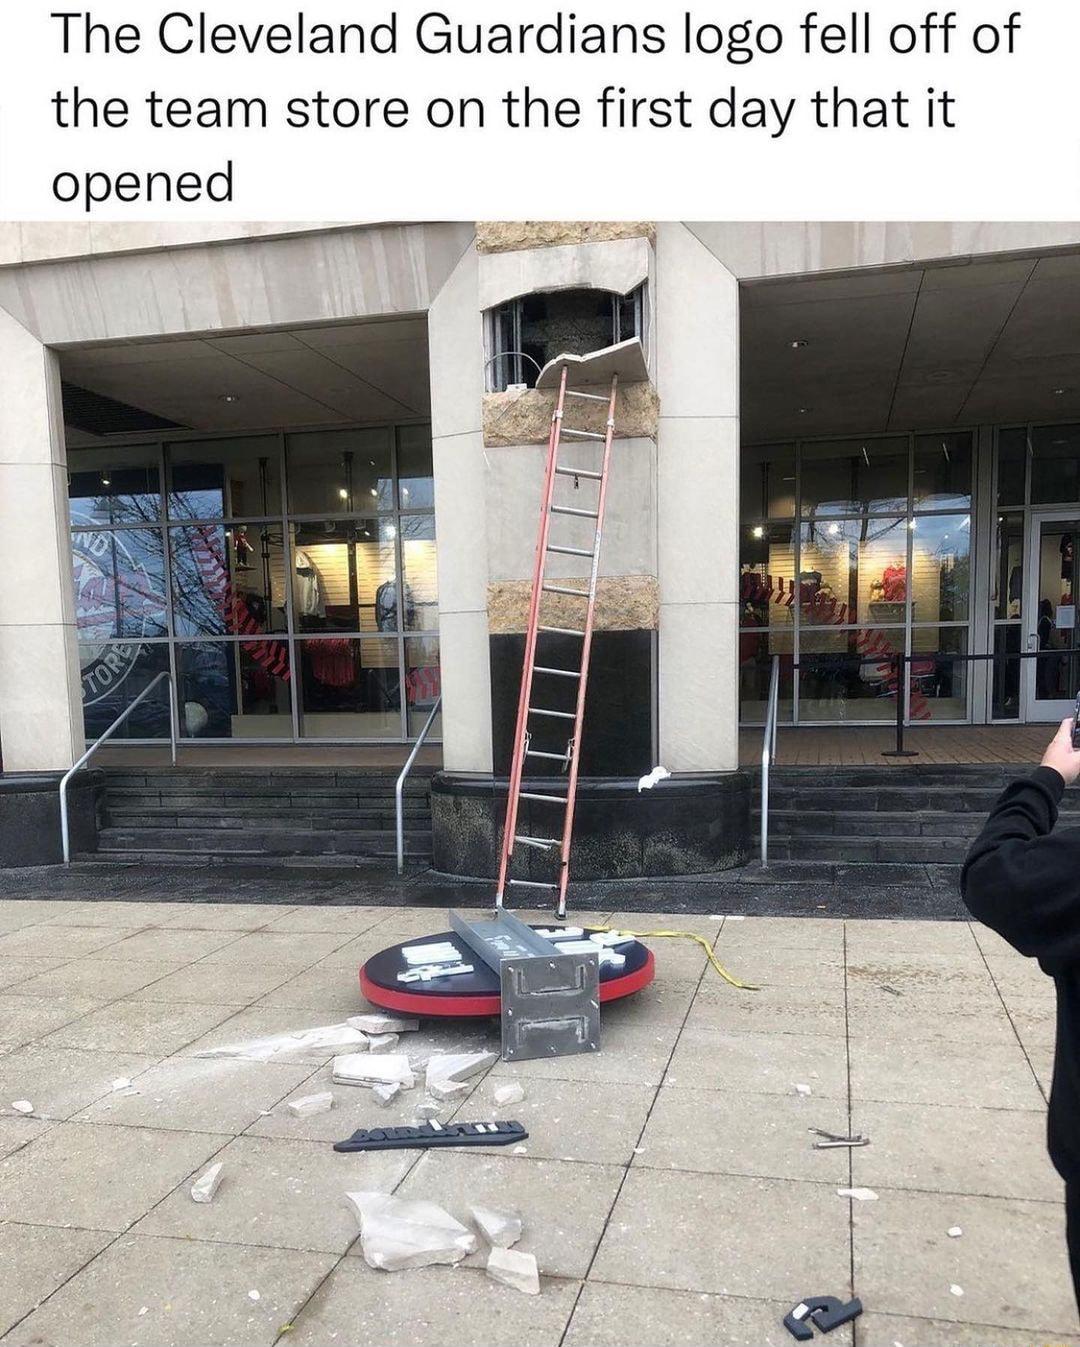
(687, 825)
(30, 816)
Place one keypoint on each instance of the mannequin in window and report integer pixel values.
(310, 600)
(386, 607)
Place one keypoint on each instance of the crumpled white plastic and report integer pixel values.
(398, 1233)
(657, 774)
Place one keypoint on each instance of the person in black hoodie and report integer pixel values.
(1022, 879)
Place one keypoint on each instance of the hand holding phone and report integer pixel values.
(1063, 751)
(1076, 724)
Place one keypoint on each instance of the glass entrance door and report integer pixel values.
(1052, 623)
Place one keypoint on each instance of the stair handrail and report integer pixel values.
(66, 778)
(768, 755)
(399, 788)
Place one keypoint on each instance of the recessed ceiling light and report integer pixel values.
(804, 410)
(230, 397)
(798, 343)
(758, 531)
(343, 493)
(374, 491)
(1057, 392)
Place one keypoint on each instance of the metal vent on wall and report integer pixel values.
(97, 414)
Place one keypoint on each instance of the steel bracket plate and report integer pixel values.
(550, 1006)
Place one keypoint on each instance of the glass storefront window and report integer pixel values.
(340, 472)
(1012, 455)
(349, 688)
(420, 573)
(113, 674)
(849, 675)
(940, 568)
(119, 583)
(225, 479)
(1006, 673)
(345, 576)
(855, 476)
(942, 472)
(852, 569)
(228, 580)
(415, 475)
(756, 651)
(234, 690)
(423, 683)
(1055, 465)
(766, 574)
(767, 482)
(938, 684)
(115, 486)
(1008, 581)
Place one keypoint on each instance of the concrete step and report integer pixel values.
(168, 815)
(869, 823)
(277, 841)
(852, 849)
(194, 860)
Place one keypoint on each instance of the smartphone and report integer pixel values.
(1076, 725)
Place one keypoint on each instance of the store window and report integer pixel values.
(288, 582)
(524, 334)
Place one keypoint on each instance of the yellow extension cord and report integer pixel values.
(685, 935)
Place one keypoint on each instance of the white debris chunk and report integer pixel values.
(376, 1042)
(657, 774)
(385, 1094)
(383, 1068)
(263, 1049)
(954, 1231)
(455, 1068)
(449, 1089)
(382, 1024)
(859, 1194)
(514, 1269)
(254, 1295)
(22, 1106)
(397, 1233)
(802, 1089)
(606, 939)
(499, 1228)
(311, 1104)
(956, 1290)
(509, 1094)
(428, 1109)
(206, 1185)
(562, 932)
(121, 1083)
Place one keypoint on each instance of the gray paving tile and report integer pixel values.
(18, 1131)
(735, 1132)
(772, 1010)
(289, 949)
(564, 1205)
(106, 912)
(886, 1330)
(612, 1316)
(879, 936)
(189, 1094)
(36, 1260)
(994, 1152)
(59, 942)
(349, 921)
(750, 1237)
(94, 1177)
(988, 1075)
(211, 984)
(105, 979)
(333, 991)
(192, 1292)
(15, 971)
(820, 935)
(23, 1018)
(138, 1026)
(221, 916)
(175, 947)
(278, 1193)
(60, 1081)
(670, 1000)
(430, 1307)
(929, 1017)
(1010, 1262)
(631, 1052)
(763, 1063)
(1034, 1017)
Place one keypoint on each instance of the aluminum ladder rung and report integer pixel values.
(557, 715)
(570, 509)
(531, 884)
(540, 843)
(589, 397)
(571, 551)
(564, 589)
(585, 434)
(541, 753)
(552, 799)
(580, 472)
(561, 631)
(561, 673)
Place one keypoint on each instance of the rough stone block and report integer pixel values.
(514, 1269)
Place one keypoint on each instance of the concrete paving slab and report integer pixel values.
(177, 947)
(60, 942)
(989, 1075)
(221, 916)
(193, 1292)
(711, 1059)
(929, 1017)
(16, 971)
(658, 1001)
(912, 976)
(97, 1178)
(111, 913)
(327, 990)
(564, 1205)
(280, 1194)
(1010, 1262)
(1034, 1018)
(735, 1132)
(15, 913)
(801, 934)
(781, 968)
(289, 949)
(633, 1053)
(430, 1307)
(752, 1237)
(350, 921)
(60, 1081)
(17, 1131)
(199, 1095)
(24, 1018)
(36, 1260)
(612, 1316)
(262, 1021)
(888, 1330)
(877, 936)
(772, 1010)
(1042, 1063)
(212, 984)
(101, 978)
(136, 1026)
(992, 1152)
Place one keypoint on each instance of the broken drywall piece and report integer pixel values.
(121, 1083)
(382, 1024)
(657, 774)
(802, 1089)
(383, 1068)
(207, 1184)
(22, 1106)
(376, 1042)
(385, 1094)
(397, 1233)
(509, 1094)
(954, 1231)
(428, 1109)
(448, 1089)
(254, 1295)
(310, 1104)
(956, 1290)
(859, 1194)
(514, 1269)
(499, 1228)
(448, 1069)
(321, 1036)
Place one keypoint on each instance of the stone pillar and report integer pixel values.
(41, 721)
(697, 345)
(456, 341)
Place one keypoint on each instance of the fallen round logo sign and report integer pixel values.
(113, 591)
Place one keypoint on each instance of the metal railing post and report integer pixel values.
(768, 753)
(900, 660)
(399, 788)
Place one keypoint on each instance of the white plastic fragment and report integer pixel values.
(382, 1024)
(657, 774)
(206, 1185)
(443, 951)
(384, 1094)
(519, 1150)
(376, 1042)
(455, 1068)
(145, 1310)
(121, 1083)
(397, 1233)
(562, 932)
(499, 1228)
(607, 939)
(954, 1231)
(384, 1068)
(509, 1094)
(311, 1104)
(263, 1049)
(956, 1290)
(802, 1089)
(428, 972)
(254, 1295)
(515, 1269)
(22, 1106)
(859, 1194)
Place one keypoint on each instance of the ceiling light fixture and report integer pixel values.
(230, 397)
(343, 493)
(1058, 392)
(798, 343)
(803, 410)
(758, 531)
(374, 491)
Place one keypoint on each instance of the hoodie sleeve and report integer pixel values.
(1020, 879)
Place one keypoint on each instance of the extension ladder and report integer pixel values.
(529, 715)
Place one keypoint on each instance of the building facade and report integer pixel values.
(298, 470)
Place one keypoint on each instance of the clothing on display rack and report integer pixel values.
(310, 600)
(386, 606)
(894, 583)
(331, 662)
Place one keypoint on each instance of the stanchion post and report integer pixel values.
(899, 660)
